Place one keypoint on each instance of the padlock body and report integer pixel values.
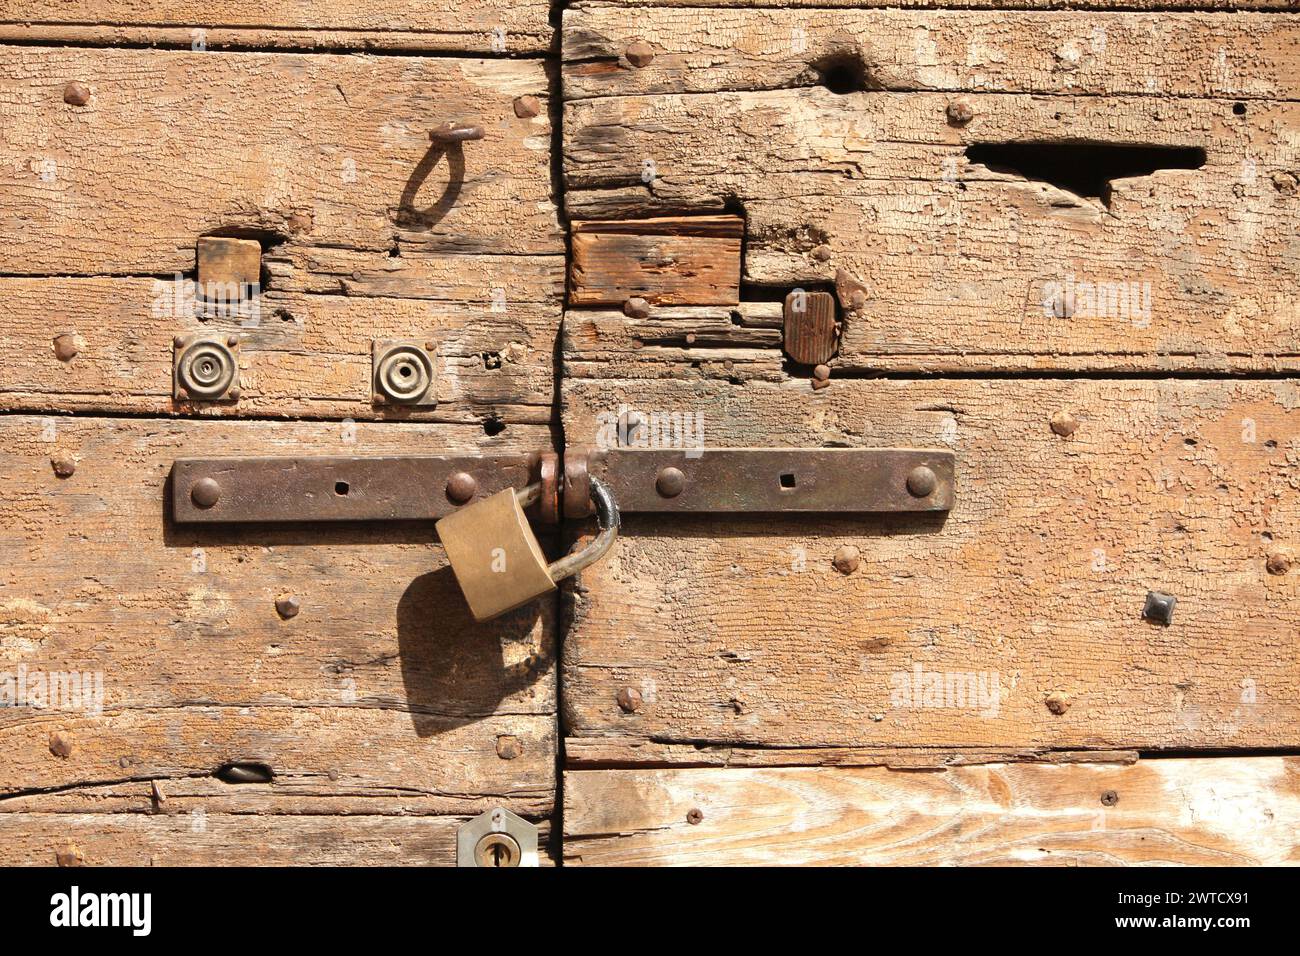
(495, 555)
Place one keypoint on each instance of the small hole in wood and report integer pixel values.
(341, 488)
(787, 480)
(842, 73)
(1239, 109)
(244, 772)
(493, 426)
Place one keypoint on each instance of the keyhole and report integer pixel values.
(499, 850)
(499, 855)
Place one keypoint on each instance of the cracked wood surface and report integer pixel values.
(739, 630)
(1217, 811)
(324, 151)
(524, 25)
(380, 696)
(964, 265)
(188, 838)
(1241, 56)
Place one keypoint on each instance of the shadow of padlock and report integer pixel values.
(495, 555)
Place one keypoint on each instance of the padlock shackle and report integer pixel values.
(607, 518)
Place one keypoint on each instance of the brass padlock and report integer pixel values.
(495, 555)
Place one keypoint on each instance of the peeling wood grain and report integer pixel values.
(1213, 811)
(687, 260)
(1243, 56)
(308, 24)
(1157, 5)
(327, 150)
(963, 264)
(740, 631)
(220, 839)
(382, 678)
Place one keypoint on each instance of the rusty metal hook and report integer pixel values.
(455, 133)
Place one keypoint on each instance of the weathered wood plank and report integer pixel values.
(302, 353)
(583, 753)
(382, 678)
(961, 264)
(1213, 811)
(482, 26)
(740, 631)
(1159, 5)
(1244, 56)
(217, 839)
(313, 150)
(687, 260)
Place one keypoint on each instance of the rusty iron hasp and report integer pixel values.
(778, 479)
(213, 491)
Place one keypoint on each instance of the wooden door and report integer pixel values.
(367, 727)
(1062, 245)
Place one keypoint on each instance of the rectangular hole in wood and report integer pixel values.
(1086, 169)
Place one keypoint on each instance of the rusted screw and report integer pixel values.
(508, 747)
(65, 347)
(1109, 798)
(1159, 607)
(63, 465)
(1058, 702)
(694, 816)
(461, 487)
(287, 606)
(205, 492)
(636, 308)
(70, 855)
(670, 483)
(1278, 563)
(847, 559)
(526, 107)
(921, 482)
(61, 744)
(639, 53)
(821, 372)
(1064, 424)
(76, 94)
(960, 112)
(629, 699)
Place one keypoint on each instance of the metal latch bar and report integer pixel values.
(825, 480)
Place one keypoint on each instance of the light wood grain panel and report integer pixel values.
(407, 24)
(218, 839)
(739, 630)
(382, 678)
(1245, 56)
(1231, 811)
(318, 150)
(961, 264)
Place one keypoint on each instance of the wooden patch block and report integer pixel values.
(810, 333)
(692, 260)
(1208, 811)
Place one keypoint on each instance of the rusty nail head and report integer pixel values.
(639, 53)
(76, 94)
(960, 112)
(690, 338)
(822, 372)
(1064, 424)
(65, 347)
(847, 559)
(1109, 798)
(205, 492)
(70, 855)
(526, 107)
(818, 384)
(1058, 702)
(287, 606)
(461, 487)
(64, 465)
(695, 816)
(1279, 563)
(671, 482)
(921, 482)
(1159, 607)
(822, 253)
(61, 744)
(636, 308)
(629, 699)
(508, 747)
